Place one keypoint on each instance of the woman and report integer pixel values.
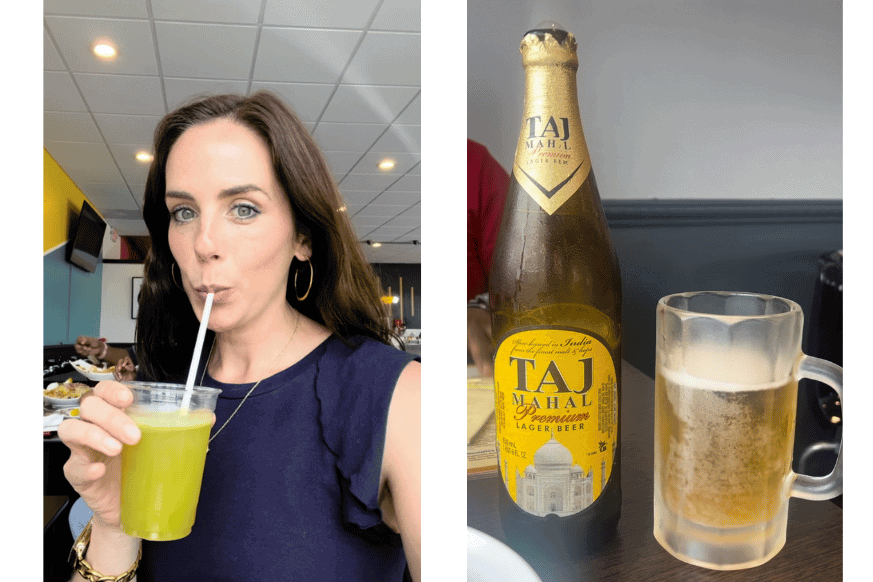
(313, 472)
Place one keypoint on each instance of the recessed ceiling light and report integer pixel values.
(375, 245)
(105, 50)
(144, 157)
(387, 164)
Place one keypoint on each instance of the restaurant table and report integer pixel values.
(813, 550)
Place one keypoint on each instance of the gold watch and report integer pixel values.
(84, 569)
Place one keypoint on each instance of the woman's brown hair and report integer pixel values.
(344, 296)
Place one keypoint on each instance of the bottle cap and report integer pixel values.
(558, 32)
(549, 44)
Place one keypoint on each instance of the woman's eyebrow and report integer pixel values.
(227, 192)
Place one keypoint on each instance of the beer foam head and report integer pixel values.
(719, 368)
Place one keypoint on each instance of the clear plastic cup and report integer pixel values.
(162, 473)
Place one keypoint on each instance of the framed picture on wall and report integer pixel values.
(135, 284)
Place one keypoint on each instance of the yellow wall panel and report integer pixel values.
(60, 198)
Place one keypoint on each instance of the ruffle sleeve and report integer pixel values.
(354, 386)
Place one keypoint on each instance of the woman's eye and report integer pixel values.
(182, 214)
(245, 211)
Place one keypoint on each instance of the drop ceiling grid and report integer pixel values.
(350, 69)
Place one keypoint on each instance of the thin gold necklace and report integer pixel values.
(252, 389)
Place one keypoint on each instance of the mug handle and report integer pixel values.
(829, 486)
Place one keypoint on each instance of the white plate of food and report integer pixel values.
(52, 418)
(94, 372)
(64, 395)
(490, 560)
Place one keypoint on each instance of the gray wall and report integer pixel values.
(668, 247)
(699, 99)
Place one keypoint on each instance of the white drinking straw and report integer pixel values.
(198, 349)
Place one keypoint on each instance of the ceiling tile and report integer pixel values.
(362, 231)
(93, 174)
(408, 183)
(320, 13)
(341, 162)
(367, 182)
(134, 171)
(398, 15)
(347, 136)
(387, 58)
(68, 126)
(122, 93)
(357, 199)
(138, 191)
(405, 220)
(307, 100)
(212, 51)
(51, 60)
(400, 138)
(368, 104)
(398, 197)
(124, 214)
(389, 233)
(132, 38)
(122, 8)
(412, 114)
(127, 128)
(236, 12)
(181, 91)
(108, 197)
(303, 56)
(368, 222)
(85, 162)
(383, 211)
(370, 161)
(60, 93)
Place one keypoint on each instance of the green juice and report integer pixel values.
(161, 474)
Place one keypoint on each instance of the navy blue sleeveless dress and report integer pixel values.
(290, 488)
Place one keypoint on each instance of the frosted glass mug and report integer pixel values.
(726, 373)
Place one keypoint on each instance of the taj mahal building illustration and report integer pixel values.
(553, 484)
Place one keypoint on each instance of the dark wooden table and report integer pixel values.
(813, 551)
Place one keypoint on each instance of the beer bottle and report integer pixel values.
(556, 318)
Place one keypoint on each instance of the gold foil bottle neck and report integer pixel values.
(541, 47)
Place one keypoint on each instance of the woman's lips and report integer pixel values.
(219, 293)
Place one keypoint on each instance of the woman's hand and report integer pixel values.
(124, 370)
(95, 440)
(88, 346)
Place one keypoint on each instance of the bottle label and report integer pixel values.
(556, 407)
(551, 159)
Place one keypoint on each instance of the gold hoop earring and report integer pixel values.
(173, 275)
(311, 277)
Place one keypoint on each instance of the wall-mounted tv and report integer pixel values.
(85, 248)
